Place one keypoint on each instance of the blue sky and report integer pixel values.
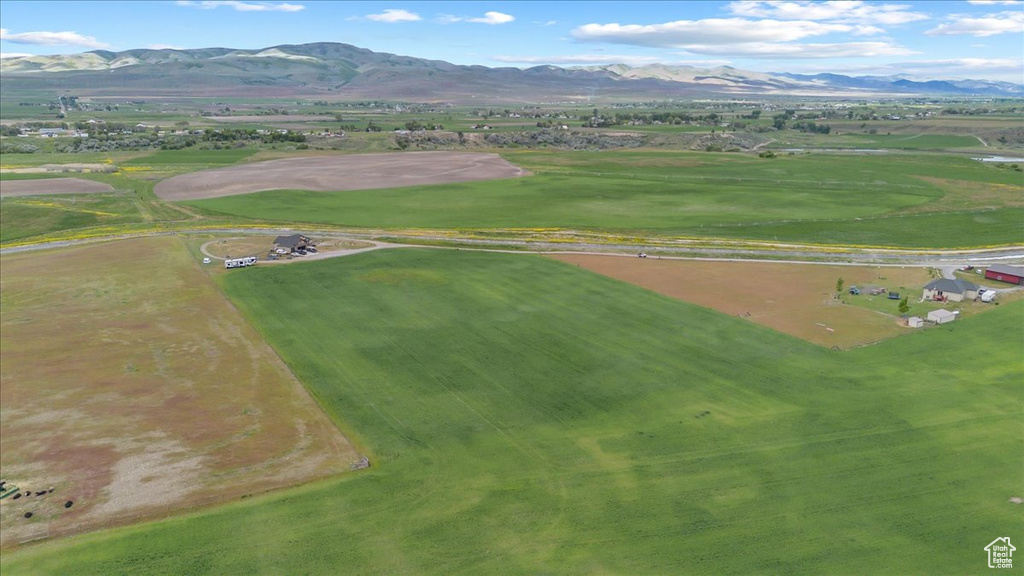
(951, 39)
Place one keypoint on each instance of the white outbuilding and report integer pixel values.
(941, 316)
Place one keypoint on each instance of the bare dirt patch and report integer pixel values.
(49, 186)
(796, 299)
(337, 173)
(61, 168)
(133, 388)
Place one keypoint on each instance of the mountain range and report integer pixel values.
(342, 71)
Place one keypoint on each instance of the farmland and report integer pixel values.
(817, 198)
(522, 414)
(529, 416)
(795, 299)
(115, 393)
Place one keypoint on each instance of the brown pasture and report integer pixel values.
(134, 389)
(340, 172)
(46, 186)
(795, 299)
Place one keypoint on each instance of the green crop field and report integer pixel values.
(927, 230)
(36, 218)
(673, 193)
(192, 156)
(912, 142)
(526, 417)
(24, 217)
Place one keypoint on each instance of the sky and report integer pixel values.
(955, 39)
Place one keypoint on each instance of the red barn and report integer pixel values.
(1003, 273)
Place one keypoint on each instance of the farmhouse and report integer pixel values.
(1004, 273)
(941, 316)
(290, 243)
(953, 290)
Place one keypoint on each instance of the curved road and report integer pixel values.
(946, 260)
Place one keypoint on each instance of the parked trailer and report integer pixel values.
(240, 262)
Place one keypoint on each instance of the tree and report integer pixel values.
(904, 305)
(839, 286)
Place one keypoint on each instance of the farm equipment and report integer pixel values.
(7, 489)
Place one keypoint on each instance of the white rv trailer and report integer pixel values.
(240, 262)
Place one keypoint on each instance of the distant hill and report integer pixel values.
(904, 85)
(336, 71)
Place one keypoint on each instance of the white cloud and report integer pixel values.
(839, 10)
(52, 39)
(971, 63)
(799, 51)
(1006, 69)
(989, 25)
(164, 47)
(996, 2)
(13, 55)
(240, 6)
(493, 18)
(725, 31)
(487, 18)
(394, 15)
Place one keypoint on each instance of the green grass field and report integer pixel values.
(927, 230)
(673, 193)
(25, 217)
(38, 218)
(526, 417)
(918, 141)
(192, 156)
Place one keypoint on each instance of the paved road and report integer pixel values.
(946, 260)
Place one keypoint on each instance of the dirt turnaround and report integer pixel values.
(50, 186)
(337, 173)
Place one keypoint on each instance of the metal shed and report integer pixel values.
(941, 316)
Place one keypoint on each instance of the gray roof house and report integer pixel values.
(950, 289)
(291, 242)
